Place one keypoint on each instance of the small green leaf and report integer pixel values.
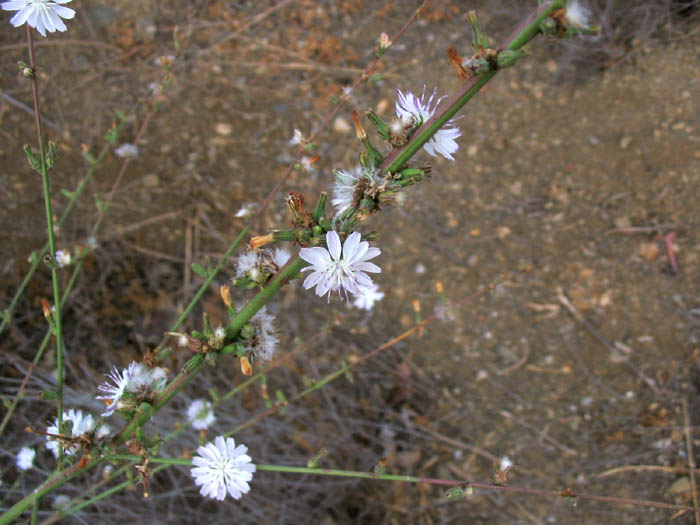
(199, 270)
(120, 114)
(67, 193)
(49, 395)
(112, 135)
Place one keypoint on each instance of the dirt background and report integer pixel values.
(578, 174)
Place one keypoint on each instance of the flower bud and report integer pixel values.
(246, 367)
(260, 240)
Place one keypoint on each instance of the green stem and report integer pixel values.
(52, 245)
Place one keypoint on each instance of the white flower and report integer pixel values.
(334, 269)
(82, 423)
(200, 414)
(222, 466)
(42, 15)
(114, 390)
(505, 463)
(298, 138)
(366, 298)
(127, 151)
(63, 258)
(577, 15)
(307, 163)
(280, 257)
(247, 264)
(25, 458)
(61, 501)
(346, 183)
(411, 108)
(245, 210)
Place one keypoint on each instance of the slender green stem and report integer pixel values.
(430, 481)
(52, 244)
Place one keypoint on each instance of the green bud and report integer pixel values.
(283, 235)
(548, 26)
(320, 210)
(316, 231)
(210, 358)
(207, 325)
(382, 127)
(51, 156)
(247, 332)
(145, 409)
(480, 40)
(25, 69)
(34, 160)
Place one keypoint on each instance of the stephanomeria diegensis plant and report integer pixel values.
(336, 258)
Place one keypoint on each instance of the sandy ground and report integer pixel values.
(570, 211)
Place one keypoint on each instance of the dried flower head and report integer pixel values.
(261, 341)
(350, 187)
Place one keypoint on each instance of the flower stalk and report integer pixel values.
(44, 171)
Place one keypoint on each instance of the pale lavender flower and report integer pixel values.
(336, 269)
(297, 138)
(366, 298)
(200, 414)
(114, 389)
(63, 258)
(222, 467)
(42, 15)
(25, 458)
(410, 108)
